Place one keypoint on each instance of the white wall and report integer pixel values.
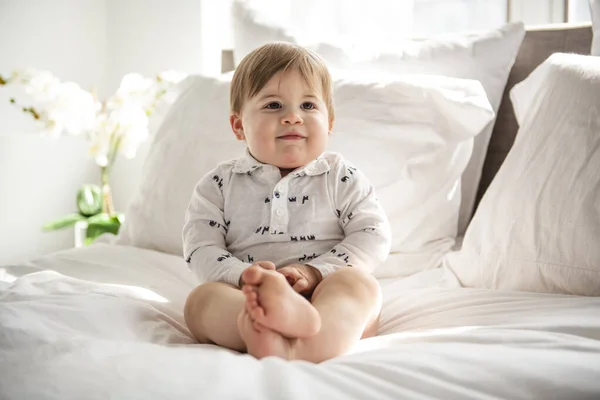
(91, 42)
(149, 36)
(38, 176)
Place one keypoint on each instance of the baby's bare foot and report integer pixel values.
(272, 302)
(260, 340)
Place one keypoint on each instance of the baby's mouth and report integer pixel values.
(291, 136)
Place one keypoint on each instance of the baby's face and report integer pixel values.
(286, 124)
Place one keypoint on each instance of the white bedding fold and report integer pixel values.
(106, 322)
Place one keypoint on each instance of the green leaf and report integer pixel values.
(102, 223)
(63, 222)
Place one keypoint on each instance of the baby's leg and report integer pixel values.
(211, 312)
(272, 302)
(349, 303)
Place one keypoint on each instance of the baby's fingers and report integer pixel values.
(266, 265)
(290, 274)
(300, 285)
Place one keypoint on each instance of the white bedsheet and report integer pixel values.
(106, 322)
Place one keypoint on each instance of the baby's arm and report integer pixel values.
(367, 230)
(204, 233)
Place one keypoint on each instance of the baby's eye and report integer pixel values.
(273, 105)
(308, 105)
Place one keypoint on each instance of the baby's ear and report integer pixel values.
(236, 126)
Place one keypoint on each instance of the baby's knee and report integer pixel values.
(196, 303)
(199, 298)
(358, 280)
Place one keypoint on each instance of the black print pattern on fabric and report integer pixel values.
(250, 258)
(268, 200)
(294, 199)
(215, 224)
(343, 256)
(277, 194)
(307, 258)
(224, 257)
(369, 229)
(262, 230)
(339, 213)
(346, 178)
(350, 216)
(218, 180)
(277, 233)
(302, 238)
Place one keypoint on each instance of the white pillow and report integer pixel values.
(487, 57)
(537, 227)
(595, 7)
(412, 137)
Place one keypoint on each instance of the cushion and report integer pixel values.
(540, 42)
(412, 137)
(487, 57)
(595, 8)
(538, 225)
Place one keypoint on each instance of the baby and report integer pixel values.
(297, 229)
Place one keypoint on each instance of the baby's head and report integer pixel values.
(281, 105)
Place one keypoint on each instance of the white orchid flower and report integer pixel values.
(129, 115)
(119, 125)
(134, 83)
(41, 85)
(133, 88)
(74, 109)
(171, 76)
(132, 140)
(49, 127)
(100, 140)
(129, 123)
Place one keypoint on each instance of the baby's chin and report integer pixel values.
(293, 161)
(291, 165)
(288, 167)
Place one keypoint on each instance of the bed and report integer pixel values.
(106, 321)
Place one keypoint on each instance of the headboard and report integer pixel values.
(539, 43)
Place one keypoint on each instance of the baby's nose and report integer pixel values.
(292, 118)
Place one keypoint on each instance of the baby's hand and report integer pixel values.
(262, 264)
(301, 277)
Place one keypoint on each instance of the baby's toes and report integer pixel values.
(257, 326)
(252, 300)
(257, 313)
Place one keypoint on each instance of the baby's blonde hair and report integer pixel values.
(255, 70)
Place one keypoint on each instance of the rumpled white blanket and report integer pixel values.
(106, 322)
